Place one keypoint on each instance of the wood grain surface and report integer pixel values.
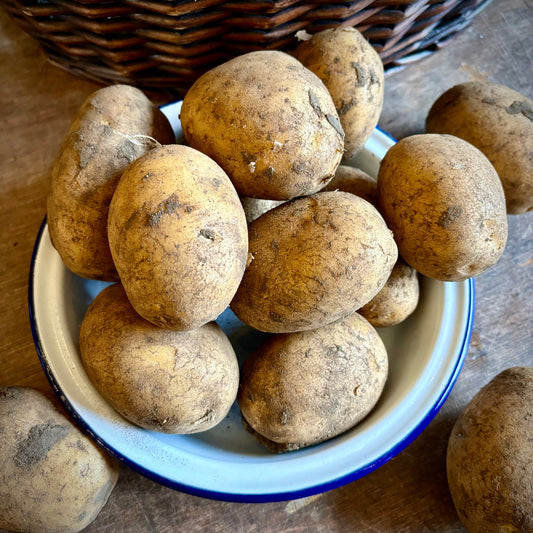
(410, 492)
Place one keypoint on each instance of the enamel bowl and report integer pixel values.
(426, 353)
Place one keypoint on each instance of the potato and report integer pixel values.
(499, 121)
(178, 237)
(52, 477)
(444, 202)
(255, 207)
(269, 122)
(299, 389)
(354, 180)
(113, 127)
(489, 457)
(313, 260)
(396, 300)
(159, 379)
(353, 73)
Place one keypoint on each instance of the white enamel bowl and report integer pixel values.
(226, 463)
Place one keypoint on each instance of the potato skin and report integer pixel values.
(269, 122)
(52, 477)
(353, 73)
(163, 380)
(397, 300)
(356, 181)
(302, 388)
(499, 121)
(313, 260)
(178, 236)
(489, 454)
(444, 202)
(255, 207)
(113, 127)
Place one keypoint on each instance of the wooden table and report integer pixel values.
(409, 493)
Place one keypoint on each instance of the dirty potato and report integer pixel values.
(499, 121)
(178, 237)
(397, 300)
(489, 456)
(444, 202)
(299, 389)
(53, 479)
(353, 73)
(269, 122)
(113, 127)
(159, 379)
(312, 261)
(354, 180)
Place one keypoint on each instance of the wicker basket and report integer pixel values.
(167, 44)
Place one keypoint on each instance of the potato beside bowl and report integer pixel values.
(426, 353)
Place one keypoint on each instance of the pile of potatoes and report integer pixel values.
(260, 211)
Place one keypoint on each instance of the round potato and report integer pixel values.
(159, 379)
(269, 122)
(356, 181)
(353, 73)
(53, 479)
(489, 456)
(396, 300)
(499, 121)
(178, 237)
(444, 202)
(114, 126)
(313, 260)
(299, 389)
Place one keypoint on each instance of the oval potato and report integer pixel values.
(113, 127)
(299, 389)
(353, 73)
(489, 454)
(53, 479)
(499, 121)
(178, 236)
(444, 202)
(313, 260)
(397, 300)
(159, 379)
(269, 122)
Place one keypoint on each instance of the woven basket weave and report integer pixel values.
(167, 44)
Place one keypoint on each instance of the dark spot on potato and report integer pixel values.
(335, 122)
(40, 440)
(168, 206)
(275, 317)
(298, 166)
(216, 182)
(248, 158)
(10, 393)
(489, 101)
(521, 106)
(315, 103)
(208, 234)
(345, 107)
(269, 172)
(360, 74)
(147, 176)
(336, 59)
(374, 78)
(284, 417)
(450, 215)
